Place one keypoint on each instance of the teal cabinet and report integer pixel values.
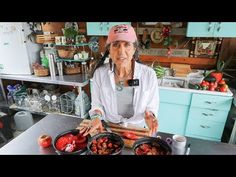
(101, 28)
(207, 116)
(193, 114)
(172, 118)
(200, 29)
(211, 29)
(173, 111)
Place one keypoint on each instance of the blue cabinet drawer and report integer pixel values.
(202, 137)
(211, 102)
(172, 118)
(176, 97)
(201, 127)
(208, 114)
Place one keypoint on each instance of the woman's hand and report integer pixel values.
(151, 122)
(94, 125)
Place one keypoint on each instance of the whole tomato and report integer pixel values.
(212, 88)
(221, 82)
(45, 141)
(223, 89)
(225, 86)
(217, 75)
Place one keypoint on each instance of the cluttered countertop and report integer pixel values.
(26, 143)
(188, 81)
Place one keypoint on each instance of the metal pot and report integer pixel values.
(109, 135)
(73, 132)
(154, 141)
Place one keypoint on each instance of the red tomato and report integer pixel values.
(45, 141)
(223, 89)
(224, 85)
(212, 88)
(215, 84)
(217, 75)
(204, 84)
(212, 84)
(221, 82)
(129, 135)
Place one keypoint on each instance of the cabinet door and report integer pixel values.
(172, 118)
(101, 28)
(94, 28)
(200, 29)
(225, 29)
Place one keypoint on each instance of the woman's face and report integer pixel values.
(122, 52)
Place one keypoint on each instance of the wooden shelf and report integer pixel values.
(204, 63)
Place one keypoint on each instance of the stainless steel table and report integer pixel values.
(26, 143)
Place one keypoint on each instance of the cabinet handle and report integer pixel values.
(107, 26)
(213, 109)
(209, 102)
(205, 114)
(101, 26)
(219, 27)
(204, 126)
(210, 26)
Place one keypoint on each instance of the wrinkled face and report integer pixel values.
(121, 52)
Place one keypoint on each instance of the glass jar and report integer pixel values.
(84, 69)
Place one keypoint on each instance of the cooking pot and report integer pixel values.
(113, 137)
(156, 142)
(77, 152)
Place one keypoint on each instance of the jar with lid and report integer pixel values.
(84, 67)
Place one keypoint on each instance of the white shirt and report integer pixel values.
(146, 95)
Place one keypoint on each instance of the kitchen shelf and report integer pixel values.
(17, 108)
(79, 80)
(71, 60)
(74, 45)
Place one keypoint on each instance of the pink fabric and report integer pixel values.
(121, 32)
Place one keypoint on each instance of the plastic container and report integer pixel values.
(23, 120)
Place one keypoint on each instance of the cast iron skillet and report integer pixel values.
(150, 140)
(111, 136)
(73, 132)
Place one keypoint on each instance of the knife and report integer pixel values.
(106, 126)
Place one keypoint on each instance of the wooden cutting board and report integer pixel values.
(119, 129)
(181, 70)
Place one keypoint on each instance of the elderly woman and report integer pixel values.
(123, 90)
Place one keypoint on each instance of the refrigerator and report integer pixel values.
(17, 52)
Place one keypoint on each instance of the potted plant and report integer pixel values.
(220, 67)
(70, 33)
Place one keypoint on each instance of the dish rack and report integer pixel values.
(67, 102)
